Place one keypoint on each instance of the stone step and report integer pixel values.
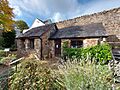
(117, 55)
(118, 58)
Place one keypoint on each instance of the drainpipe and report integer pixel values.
(41, 49)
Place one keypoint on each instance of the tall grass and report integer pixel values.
(70, 75)
(85, 76)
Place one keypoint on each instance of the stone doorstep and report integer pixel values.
(118, 36)
(117, 58)
(116, 54)
(117, 79)
(117, 70)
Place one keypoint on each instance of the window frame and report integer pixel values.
(76, 43)
(32, 43)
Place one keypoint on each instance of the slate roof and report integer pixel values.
(90, 30)
(37, 31)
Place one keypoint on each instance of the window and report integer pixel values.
(32, 43)
(76, 43)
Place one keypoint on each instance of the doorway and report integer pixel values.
(58, 48)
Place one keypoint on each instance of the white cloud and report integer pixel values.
(17, 11)
(47, 8)
(57, 17)
(98, 6)
(60, 9)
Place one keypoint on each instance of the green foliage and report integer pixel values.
(32, 75)
(8, 39)
(100, 53)
(2, 53)
(6, 16)
(85, 76)
(1, 41)
(21, 25)
(8, 58)
(74, 75)
(65, 44)
(5, 57)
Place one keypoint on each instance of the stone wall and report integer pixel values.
(47, 46)
(110, 20)
(23, 47)
(20, 48)
(52, 48)
(37, 47)
(90, 42)
(20, 44)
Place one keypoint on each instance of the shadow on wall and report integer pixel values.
(114, 41)
(113, 38)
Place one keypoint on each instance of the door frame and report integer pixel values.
(57, 47)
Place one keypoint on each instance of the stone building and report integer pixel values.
(47, 40)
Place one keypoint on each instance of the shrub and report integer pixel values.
(2, 53)
(85, 76)
(74, 75)
(32, 75)
(8, 58)
(100, 53)
(1, 42)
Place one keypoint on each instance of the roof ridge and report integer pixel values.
(40, 20)
(44, 25)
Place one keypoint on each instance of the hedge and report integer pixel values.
(101, 53)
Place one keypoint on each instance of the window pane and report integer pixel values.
(76, 43)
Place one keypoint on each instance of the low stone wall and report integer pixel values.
(115, 67)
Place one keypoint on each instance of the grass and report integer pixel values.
(86, 76)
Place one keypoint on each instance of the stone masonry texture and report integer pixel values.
(110, 20)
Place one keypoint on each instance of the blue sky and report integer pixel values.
(58, 10)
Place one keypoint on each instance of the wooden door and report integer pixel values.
(58, 48)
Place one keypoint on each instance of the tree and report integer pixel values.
(8, 38)
(21, 25)
(6, 16)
